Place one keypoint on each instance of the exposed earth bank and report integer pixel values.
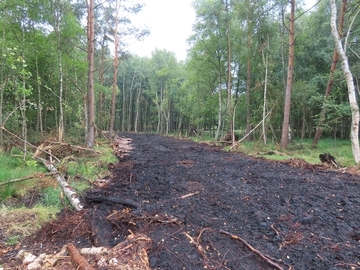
(204, 208)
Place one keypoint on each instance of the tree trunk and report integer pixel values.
(330, 81)
(229, 82)
(218, 130)
(116, 63)
(123, 104)
(61, 120)
(354, 133)
(57, 18)
(39, 124)
(248, 79)
(287, 103)
(2, 87)
(266, 64)
(137, 108)
(101, 80)
(90, 136)
(132, 88)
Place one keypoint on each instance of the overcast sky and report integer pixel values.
(170, 23)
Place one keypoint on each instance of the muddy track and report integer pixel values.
(204, 208)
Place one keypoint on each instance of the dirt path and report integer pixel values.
(197, 204)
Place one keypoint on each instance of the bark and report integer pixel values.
(132, 87)
(330, 81)
(137, 106)
(101, 79)
(78, 259)
(116, 63)
(2, 87)
(218, 130)
(66, 188)
(287, 103)
(123, 104)
(266, 64)
(90, 135)
(229, 83)
(39, 108)
(248, 79)
(354, 133)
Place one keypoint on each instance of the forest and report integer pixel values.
(268, 70)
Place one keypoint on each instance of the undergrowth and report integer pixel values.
(80, 173)
(340, 149)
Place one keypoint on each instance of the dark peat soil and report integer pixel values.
(205, 208)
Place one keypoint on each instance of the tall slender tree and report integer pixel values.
(330, 82)
(354, 133)
(90, 135)
(289, 81)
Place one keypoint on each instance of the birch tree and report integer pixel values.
(354, 133)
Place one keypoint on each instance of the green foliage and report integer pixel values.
(14, 167)
(13, 240)
(7, 191)
(339, 148)
(31, 163)
(51, 197)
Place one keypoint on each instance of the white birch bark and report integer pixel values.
(66, 188)
(354, 133)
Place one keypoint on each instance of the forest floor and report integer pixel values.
(194, 206)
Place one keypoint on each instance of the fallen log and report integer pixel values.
(66, 188)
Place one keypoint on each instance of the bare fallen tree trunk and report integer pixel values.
(66, 188)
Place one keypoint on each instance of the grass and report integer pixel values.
(21, 221)
(340, 149)
(17, 223)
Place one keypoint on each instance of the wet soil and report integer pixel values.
(204, 208)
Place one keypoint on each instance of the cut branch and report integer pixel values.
(78, 259)
(266, 258)
(27, 178)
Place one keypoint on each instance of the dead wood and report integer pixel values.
(328, 159)
(37, 175)
(100, 199)
(62, 150)
(31, 145)
(198, 246)
(66, 188)
(43, 261)
(266, 258)
(79, 260)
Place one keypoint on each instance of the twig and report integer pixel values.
(197, 245)
(264, 257)
(189, 195)
(27, 178)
